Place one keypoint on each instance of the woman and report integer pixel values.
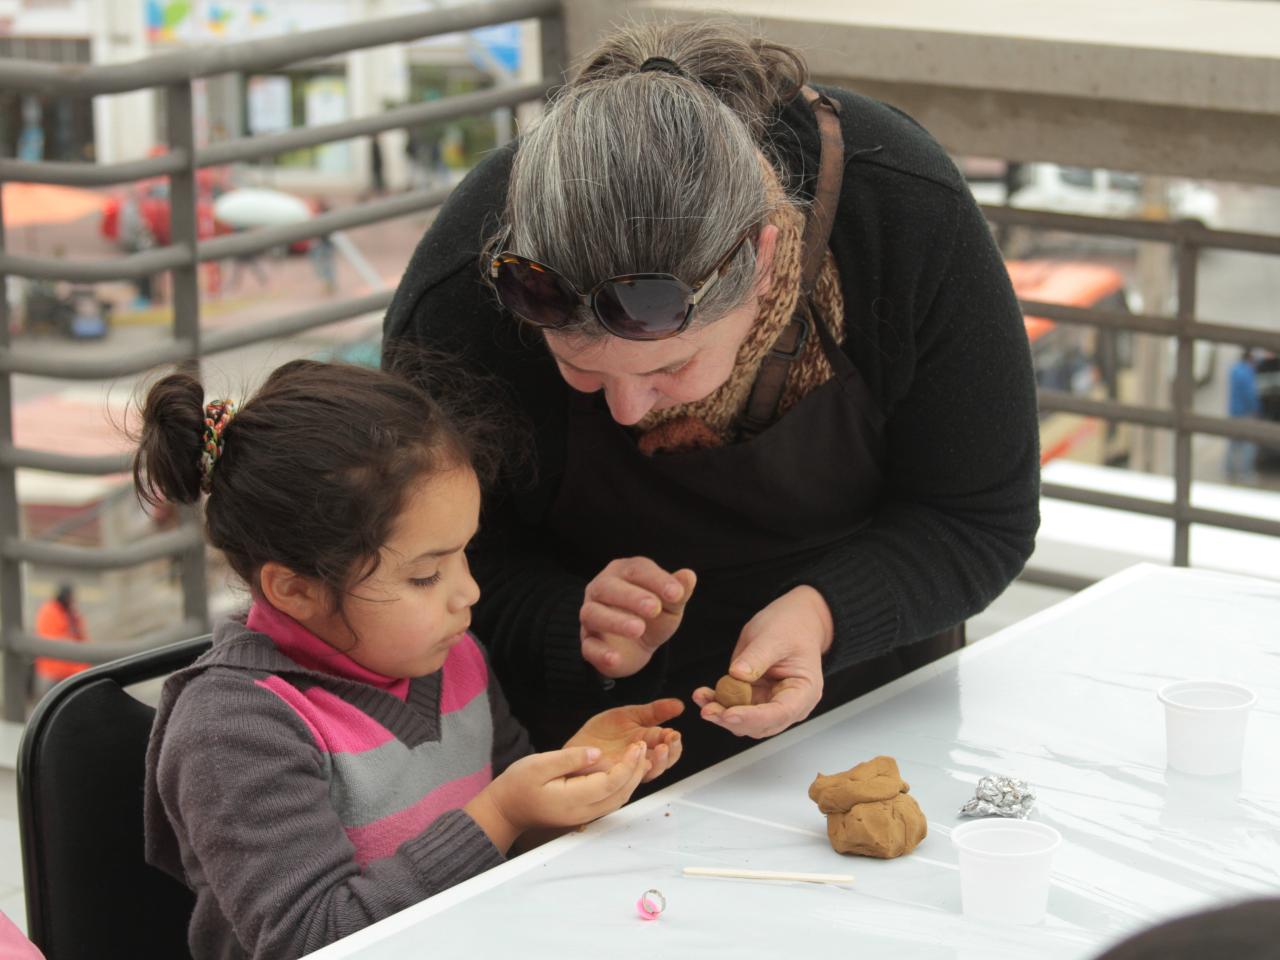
(883, 493)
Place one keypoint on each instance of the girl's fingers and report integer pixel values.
(594, 787)
(657, 712)
(555, 764)
(632, 774)
(674, 750)
(598, 618)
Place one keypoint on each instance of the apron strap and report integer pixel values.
(766, 392)
(826, 192)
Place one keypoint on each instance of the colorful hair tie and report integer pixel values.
(217, 414)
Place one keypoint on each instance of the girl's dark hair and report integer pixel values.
(1243, 931)
(314, 470)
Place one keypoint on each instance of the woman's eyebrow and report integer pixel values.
(669, 368)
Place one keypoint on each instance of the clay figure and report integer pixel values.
(869, 811)
(731, 692)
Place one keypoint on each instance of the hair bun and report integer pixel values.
(166, 467)
(750, 75)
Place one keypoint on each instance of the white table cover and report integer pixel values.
(1065, 699)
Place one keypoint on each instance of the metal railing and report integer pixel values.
(1188, 239)
(174, 74)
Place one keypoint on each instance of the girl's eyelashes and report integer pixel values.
(425, 581)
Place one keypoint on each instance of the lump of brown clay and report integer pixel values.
(868, 810)
(732, 692)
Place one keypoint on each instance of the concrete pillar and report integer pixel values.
(124, 124)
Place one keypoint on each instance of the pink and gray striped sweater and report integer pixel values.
(302, 797)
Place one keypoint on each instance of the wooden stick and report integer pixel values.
(768, 875)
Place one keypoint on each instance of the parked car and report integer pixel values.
(1106, 193)
(1078, 359)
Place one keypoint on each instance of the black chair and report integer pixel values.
(90, 893)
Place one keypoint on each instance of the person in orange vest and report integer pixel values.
(58, 619)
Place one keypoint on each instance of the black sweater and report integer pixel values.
(933, 327)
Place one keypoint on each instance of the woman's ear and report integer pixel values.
(291, 593)
(766, 244)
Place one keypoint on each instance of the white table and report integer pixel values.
(1065, 699)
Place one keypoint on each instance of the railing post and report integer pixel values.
(553, 48)
(1187, 256)
(16, 665)
(184, 229)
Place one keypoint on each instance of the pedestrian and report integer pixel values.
(342, 751)
(247, 261)
(1243, 401)
(321, 254)
(58, 619)
(377, 178)
(774, 368)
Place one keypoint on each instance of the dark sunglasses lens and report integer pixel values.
(642, 309)
(534, 293)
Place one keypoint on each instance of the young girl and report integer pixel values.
(342, 751)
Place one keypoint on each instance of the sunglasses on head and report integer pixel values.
(635, 306)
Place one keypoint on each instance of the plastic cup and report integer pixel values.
(1205, 723)
(1004, 869)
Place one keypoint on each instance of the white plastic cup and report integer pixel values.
(1204, 724)
(1004, 869)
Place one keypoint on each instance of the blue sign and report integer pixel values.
(502, 42)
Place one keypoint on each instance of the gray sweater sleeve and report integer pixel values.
(247, 794)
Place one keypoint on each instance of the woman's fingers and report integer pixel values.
(599, 654)
(790, 703)
(625, 595)
(598, 618)
(643, 572)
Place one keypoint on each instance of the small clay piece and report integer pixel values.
(869, 811)
(732, 692)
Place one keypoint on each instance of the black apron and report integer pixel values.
(746, 518)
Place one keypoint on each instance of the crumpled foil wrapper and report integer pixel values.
(998, 796)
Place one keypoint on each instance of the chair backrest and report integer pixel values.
(81, 764)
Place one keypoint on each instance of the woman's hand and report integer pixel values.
(613, 731)
(555, 789)
(629, 610)
(779, 653)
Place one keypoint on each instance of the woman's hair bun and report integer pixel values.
(750, 75)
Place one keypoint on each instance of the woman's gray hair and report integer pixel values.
(653, 171)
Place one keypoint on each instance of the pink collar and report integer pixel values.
(310, 652)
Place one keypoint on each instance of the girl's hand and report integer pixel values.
(613, 731)
(555, 789)
(629, 610)
(780, 654)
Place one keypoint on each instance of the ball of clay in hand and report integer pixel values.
(732, 692)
